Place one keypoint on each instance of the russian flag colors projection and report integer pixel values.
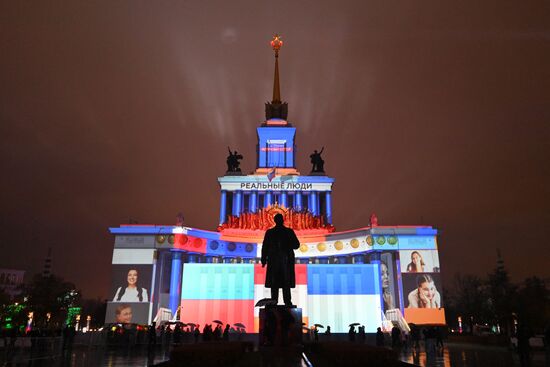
(218, 292)
(335, 295)
(339, 295)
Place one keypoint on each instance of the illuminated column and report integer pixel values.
(253, 202)
(267, 199)
(375, 259)
(318, 203)
(298, 201)
(358, 259)
(209, 259)
(193, 258)
(323, 260)
(328, 207)
(223, 203)
(175, 282)
(340, 260)
(237, 197)
(284, 201)
(313, 202)
(228, 259)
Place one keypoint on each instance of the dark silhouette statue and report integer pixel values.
(233, 161)
(318, 164)
(278, 253)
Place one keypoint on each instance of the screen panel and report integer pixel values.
(419, 261)
(339, 311)
(218, 281)
(131, 283)
(128, 313)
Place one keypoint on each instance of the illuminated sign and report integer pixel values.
(276, 186)
(276, 149)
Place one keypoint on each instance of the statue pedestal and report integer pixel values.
(280, 326)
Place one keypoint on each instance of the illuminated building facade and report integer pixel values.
(366, 275)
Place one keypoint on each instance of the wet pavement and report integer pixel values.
(452, 355)
(470, 355)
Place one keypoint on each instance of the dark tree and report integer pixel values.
(503, 299)
(50, 294)
(534, 304)
(470, 300)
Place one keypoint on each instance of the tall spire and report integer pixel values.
(276, 44)
(276, 109)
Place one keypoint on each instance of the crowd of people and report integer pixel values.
(178, 333)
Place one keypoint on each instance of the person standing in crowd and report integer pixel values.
(395, 337)
(379, 337)
(327, 333)
(524, 348)
(362, 335)
(351, 333)
(439, 337)
(226, 332)
(152, 335)
(196, 333)
(177, 334)
(218, 332)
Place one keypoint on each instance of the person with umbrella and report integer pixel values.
(278, 254)
(351, 332)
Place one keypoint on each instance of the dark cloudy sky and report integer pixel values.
(430, 113)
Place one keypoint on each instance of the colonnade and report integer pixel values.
(316, 202)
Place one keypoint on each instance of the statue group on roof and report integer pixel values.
(233, 164)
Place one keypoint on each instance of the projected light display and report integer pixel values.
(365, 275)
(334, 295)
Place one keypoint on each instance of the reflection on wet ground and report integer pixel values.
(453, 355)
(469, 355)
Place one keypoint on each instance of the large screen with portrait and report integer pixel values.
(330, 295)
(127, 313)
(422, 290)
(130, 293)
(419, 261)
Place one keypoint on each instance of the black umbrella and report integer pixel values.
(318, 325)
(354, 324)
(239, 325)
(217, 322)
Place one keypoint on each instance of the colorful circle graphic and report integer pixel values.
(303, 247)
(338, 245)
(161, 238)
(354, 243)
(197, 242)
(381, 240)
(392, 240)
(171, 239)
(321, 246)
(369, 240)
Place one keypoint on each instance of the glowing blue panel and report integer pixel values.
(343, 279)
(218, 281)
(416, 243)
(338, 311)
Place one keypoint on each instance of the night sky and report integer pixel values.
(429, 114)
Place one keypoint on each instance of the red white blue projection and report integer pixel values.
(371, 275)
